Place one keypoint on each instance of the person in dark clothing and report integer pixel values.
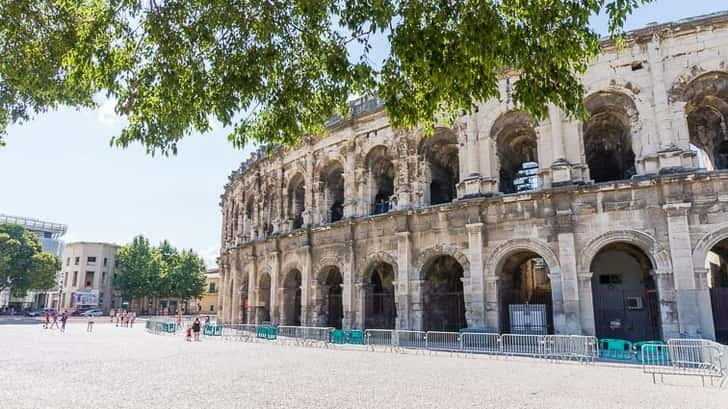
(196, 328)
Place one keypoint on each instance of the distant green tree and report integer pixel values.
(23, 263)
(187, 274)
(139, 269)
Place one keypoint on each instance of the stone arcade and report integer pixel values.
(624, 232)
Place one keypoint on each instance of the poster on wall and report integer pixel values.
(87, 298)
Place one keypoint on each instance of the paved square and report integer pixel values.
(128, 368)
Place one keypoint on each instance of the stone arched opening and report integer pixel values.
(716, 266)
(626, 302)
(249, 232)
(524, 294)
(263, 307)
(517, 150)
(443, 296)
(441, 167)
(380, 168)
(244, 299)
(291, 298)
(706, 108)
(332, 192)
(296, 200)
(329, 303)
(608, 136)
(379, 305)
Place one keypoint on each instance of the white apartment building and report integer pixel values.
(89, 269)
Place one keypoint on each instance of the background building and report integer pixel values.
(50, 238)
(87, 276)
(208, 304)
(614, 225)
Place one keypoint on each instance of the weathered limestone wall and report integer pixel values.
(640, 98)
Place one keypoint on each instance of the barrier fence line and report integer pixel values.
(691, 357)
(443, 341)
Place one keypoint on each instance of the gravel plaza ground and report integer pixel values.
(128, 368)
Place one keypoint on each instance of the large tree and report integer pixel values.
(23, 263)
(159, 272)
(187, 276)
(140, 265)
(275, 70)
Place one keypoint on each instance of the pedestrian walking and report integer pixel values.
(64, 318)
(112, 314)
(47, 319)
(90, 325)
(179, 319)
(55, 320)
(196, 328)
(131, 320)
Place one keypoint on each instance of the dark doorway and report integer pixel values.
(292, 298)
(608, 136)
(331, 282)
(263, 308)
(444, 301)
(625, 297)
(526, 303)
(380, 307)
(441, 155)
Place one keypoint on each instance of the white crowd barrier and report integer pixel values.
(686, 357)
(558, 347)
(443, 341)
(380, 339)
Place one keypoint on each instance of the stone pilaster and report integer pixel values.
(678, 229)
(402, 288)
(474, 293)
(586, 303)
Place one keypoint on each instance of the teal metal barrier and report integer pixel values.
(620, 349)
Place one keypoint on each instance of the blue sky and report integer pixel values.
(59, 167)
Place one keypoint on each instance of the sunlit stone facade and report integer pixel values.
(375, 227)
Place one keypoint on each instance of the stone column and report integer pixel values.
(306, 282)
(252, 293)
(475, 294)
(586, 303)
(237, 270)
(669, 310)
(678, 229)
(492, 311)
(308, 198)
(681, 134)
(570, 307)
(703, 303)
(669, 153)
(470, 178)
(350, 194)
(222, 296)
(273, 307)
(488, 176)
(560, 167)
(402, 288)
(360, 288)
(416, 313)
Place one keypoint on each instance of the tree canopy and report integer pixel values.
(161, 272)
(23, 263)
(274, 71)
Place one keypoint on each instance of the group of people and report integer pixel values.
(54, 316)
(123, 318)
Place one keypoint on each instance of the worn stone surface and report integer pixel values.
(127, 368)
